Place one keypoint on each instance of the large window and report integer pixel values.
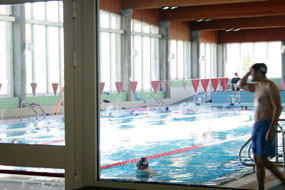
(5, 50)
(44, 45)
(240, 56)
(145, 57)
(110, 54)
(179, 59)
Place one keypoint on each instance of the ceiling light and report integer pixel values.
(236, 29)
(229, 29)
(173, 7)
(207, 19)
(200, 20)
(165, 8)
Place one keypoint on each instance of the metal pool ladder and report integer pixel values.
(32, 107)
(158, 101)
(248, 161)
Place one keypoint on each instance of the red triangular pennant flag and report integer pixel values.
(184, 84)
(119, 86)
(102, 84)
(195, 83)
(155, 85)
(224, 83)
(215, 83)
(134, 86)
(205, 84)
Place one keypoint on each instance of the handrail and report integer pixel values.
(240, 151)
(276, 139)
(31, 107)
(158, 101)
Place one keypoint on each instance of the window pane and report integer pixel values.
(260, 52)
(104, 19)
(52, 11)
(40, 58)
(61, 58)
(172, 59)
(105, 60)
(146, 64)
(5, 9)
(274, 60)
(233, 60)
(53, 56)
(138, 62)
(180, 60)
(115, 21)
(28, 10)
(39, 11)
(28, 51)
(208, 64)
(115, 61)
(146, 28)
(202, 60)
(137, 26)
(154, 59)
(5, 54)
(246, 56)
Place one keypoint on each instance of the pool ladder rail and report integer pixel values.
(32, 107)
(158, 101)
(248, 161)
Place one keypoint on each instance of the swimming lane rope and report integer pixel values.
(172, 152)
(152, 156)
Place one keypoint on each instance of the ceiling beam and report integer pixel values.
(241, 23)
(237, 10)
(154, 4)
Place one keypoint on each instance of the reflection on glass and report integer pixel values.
(33, 113)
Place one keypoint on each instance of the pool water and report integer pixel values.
(46, 132)
(220, 132)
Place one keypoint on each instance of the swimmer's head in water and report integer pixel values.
(142, 163)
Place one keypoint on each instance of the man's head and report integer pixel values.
(257, 71)
(236, 74)
(142, 163)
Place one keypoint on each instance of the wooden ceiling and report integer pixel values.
(223, 14)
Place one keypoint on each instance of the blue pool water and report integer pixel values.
(221, 132)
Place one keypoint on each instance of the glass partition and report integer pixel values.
(31, 84)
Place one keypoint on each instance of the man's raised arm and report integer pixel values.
(244, 85)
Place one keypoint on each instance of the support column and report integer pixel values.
(220, 60)
(19, 59)
(163, 56)
(283, 61)
(195, 54)
(126, 51)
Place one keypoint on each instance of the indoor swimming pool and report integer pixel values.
(184, 146)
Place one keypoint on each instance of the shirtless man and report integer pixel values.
(267, 109)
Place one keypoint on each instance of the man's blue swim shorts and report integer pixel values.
(260, 146)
